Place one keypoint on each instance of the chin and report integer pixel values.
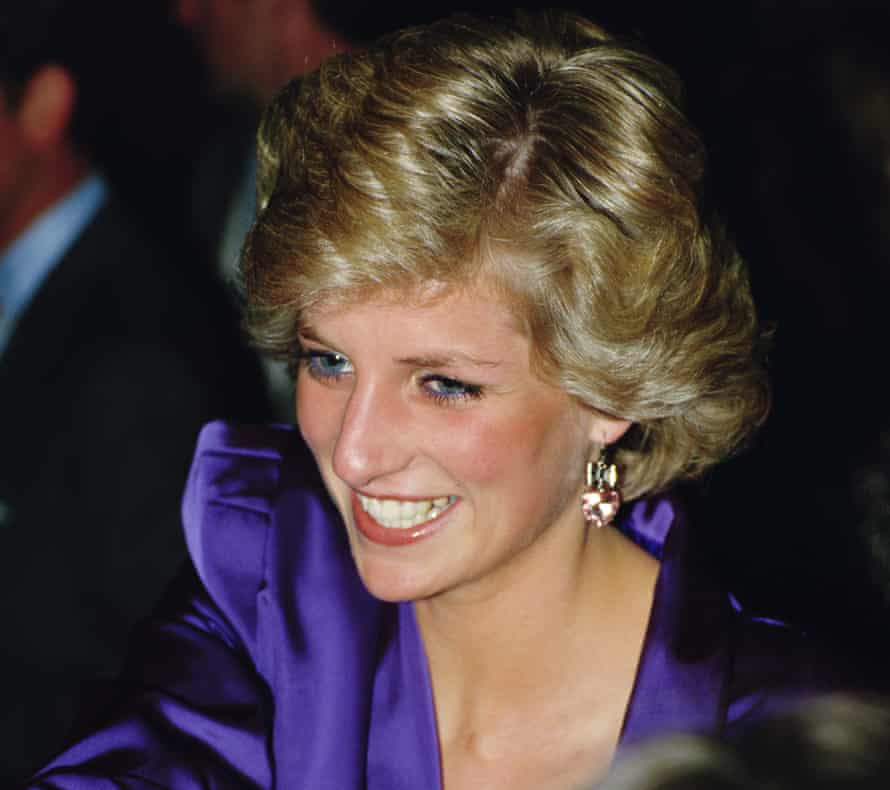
(392, 581)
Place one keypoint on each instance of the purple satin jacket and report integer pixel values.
(273, 667)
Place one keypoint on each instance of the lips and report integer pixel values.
(396, 522)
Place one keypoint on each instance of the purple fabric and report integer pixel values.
(277, 668)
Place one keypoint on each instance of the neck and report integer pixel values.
(48, 180)
(559, 613)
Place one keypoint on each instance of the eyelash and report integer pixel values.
(312, 359)
(469, 391)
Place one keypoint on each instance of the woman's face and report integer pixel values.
(446, 456)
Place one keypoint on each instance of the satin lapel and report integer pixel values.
(683, 673)
(319, 647)
(403, 748)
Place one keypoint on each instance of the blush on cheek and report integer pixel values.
(483, 450)
(522, 443)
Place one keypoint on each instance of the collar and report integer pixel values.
(681, 681)
(30, 259)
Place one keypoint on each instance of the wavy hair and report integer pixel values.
(552, 161)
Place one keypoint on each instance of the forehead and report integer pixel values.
(479, 297)
(429, 300)
(436, 318)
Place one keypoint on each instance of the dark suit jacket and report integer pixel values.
(123, 354)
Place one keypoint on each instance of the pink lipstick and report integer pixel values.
(374, 531)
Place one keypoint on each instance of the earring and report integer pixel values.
(600, 500)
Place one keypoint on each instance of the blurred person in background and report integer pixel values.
(835, 742)
(249, 49)
(113, 352)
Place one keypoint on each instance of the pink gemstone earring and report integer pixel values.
(600, 500)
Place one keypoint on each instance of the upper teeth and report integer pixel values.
(399, 514)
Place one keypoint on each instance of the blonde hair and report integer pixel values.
(553, 161)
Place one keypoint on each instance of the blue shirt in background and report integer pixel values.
(28, 261)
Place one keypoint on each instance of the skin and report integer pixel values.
(253, 47)
(38, 163)
(532, 623)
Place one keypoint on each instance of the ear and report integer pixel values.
(605, 430)
(46, 107)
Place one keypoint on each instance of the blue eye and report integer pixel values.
(326, 365)
(446, 389)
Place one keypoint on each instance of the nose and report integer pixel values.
(374, 440)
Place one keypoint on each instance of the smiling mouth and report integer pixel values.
(404, 514)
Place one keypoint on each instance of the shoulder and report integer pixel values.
(148, 308)
(158, 279)
(245, 482)
(112, 233)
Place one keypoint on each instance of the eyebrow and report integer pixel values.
(430, 360)
(445, 360)
(309, 333)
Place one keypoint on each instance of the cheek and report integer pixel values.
(318, 415)
(469, 448)
(513, 450)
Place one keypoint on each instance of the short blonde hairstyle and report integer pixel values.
(554, 161)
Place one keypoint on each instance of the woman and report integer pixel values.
(483, 245)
